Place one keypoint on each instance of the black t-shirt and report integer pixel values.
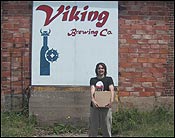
(101, 84)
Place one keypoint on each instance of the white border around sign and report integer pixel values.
(78, 54)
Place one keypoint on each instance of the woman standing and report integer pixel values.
(101, 117)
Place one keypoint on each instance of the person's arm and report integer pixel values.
(93, 95)
(111, 89)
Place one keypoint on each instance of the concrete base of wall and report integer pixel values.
(146, 103)
(12, 102)
(72, 107)
(60, 107)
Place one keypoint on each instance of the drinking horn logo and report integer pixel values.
(47, 55)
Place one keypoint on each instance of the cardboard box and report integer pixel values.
(102, 98)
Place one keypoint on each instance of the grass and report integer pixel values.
(16, 124)
(156, 123)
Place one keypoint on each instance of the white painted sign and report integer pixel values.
(70, 38)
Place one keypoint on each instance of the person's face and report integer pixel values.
(101, 70)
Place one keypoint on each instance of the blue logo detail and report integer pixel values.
(46, 55)
(52, 55)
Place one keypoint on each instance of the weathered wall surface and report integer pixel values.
(53, 105)
(16, 24)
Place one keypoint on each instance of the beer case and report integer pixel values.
(102, 98)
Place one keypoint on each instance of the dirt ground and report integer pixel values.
(67, 135)
(74, 135)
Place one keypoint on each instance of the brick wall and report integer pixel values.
(146, 48)
(16, 22)
(169, 84)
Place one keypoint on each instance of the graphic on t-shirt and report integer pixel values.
(99, 86)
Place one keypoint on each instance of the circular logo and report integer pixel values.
(52, 55)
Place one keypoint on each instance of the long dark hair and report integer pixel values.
(104, 66)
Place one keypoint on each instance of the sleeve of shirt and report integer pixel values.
(110, 81)
(92, 81)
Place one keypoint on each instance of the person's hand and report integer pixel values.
(109, 105)
(95, 103)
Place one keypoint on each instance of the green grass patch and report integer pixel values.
(156, 123)
(15, 124)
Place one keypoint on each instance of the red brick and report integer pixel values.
(146, 94)
(153, 60)
(123, 50)
(134, 94)
(139, 89)
(5, 73)
(122, 94)
(163, 51)
(125, 65)
(130, 60)
(131, 41)
(141, 79)
(150, 79)
(135, 26)
(142, 60)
